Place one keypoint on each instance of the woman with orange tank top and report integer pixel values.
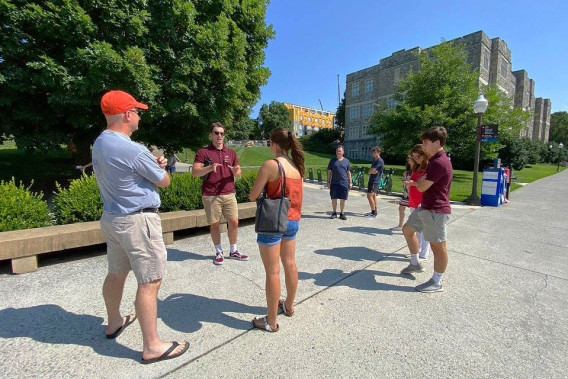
(280, 248)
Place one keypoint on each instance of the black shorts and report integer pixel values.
(373, 188)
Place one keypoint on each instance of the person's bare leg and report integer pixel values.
(370, 200)
(215, 231)
(341, 205)
(147, 311)
(374, 198)
(233, 231)
(411, 239)
(440, 256)
(113, 288)
(334, 205)
(401, 210)
(288, 257)
(271, 260)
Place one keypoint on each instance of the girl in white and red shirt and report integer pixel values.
(420, 161)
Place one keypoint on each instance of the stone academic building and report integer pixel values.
(378, 84)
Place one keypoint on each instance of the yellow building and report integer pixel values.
(309, 120)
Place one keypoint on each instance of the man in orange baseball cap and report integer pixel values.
(128, 176)
(118, 102)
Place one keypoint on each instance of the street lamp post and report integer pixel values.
(560, 147)
(479, 107)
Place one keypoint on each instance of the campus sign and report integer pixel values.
(490, 133)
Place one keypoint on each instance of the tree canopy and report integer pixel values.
(193, 62)
(559, 127)
(272, 116)
(340, 117)
(442, 92)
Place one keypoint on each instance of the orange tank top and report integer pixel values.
(294, 192)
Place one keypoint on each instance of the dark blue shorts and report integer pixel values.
(270, 240)
(339, 191)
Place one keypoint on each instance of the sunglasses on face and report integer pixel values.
(137, 111)
(219, 133)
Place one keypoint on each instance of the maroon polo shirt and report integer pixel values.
(440, 171)
(221, 182)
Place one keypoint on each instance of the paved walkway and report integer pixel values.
(503, 313)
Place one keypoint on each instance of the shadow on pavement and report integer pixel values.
(355, 253)
(366, 230)
(186, 312)
(175, 255)
(361, 280)
(54, 325)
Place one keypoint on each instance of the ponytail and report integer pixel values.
(297, 154)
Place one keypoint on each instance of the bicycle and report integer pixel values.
(358, 179)
(386, 182)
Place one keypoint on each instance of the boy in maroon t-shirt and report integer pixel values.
(433, 216)
(219, 166)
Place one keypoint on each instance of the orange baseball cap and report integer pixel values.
(117, 102)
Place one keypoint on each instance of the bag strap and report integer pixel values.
(282, 175)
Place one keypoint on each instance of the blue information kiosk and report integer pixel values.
(493, 187)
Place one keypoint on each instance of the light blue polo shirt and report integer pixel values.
(126, 172)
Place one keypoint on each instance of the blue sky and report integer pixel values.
(318, 39)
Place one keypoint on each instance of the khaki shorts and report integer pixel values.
(215, 206)
(433, 225)
(135, 242)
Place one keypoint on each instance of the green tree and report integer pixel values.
(243, 130)
(340, 117)
(193, 62)
(559, 127)
(441, 92)
(272, 116)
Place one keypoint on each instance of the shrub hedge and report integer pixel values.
(20, 208)
(183, 194)
(81, 202)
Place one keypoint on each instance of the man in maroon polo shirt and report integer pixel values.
(433, 215)
(219, 166)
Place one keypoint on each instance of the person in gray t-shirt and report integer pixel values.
(128, 176)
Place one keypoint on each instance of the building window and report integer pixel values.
(354, 112)
(367, 110)
(391, 103)
(355, 89)
(369, 85)
(504, 68)
(486, 61)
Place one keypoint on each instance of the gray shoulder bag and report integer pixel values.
(272, 214)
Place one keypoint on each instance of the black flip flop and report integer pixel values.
(129, 320)
(166, 355)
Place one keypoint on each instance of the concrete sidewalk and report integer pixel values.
(503, 312)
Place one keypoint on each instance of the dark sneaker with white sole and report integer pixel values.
(429, 286)
(410, 269)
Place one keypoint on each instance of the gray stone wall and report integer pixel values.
(538, 114)
(546, 109)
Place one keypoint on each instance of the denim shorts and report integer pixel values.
(271, 240)
(339, 191)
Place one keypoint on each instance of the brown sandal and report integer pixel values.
(262, 323)
(282, 305)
